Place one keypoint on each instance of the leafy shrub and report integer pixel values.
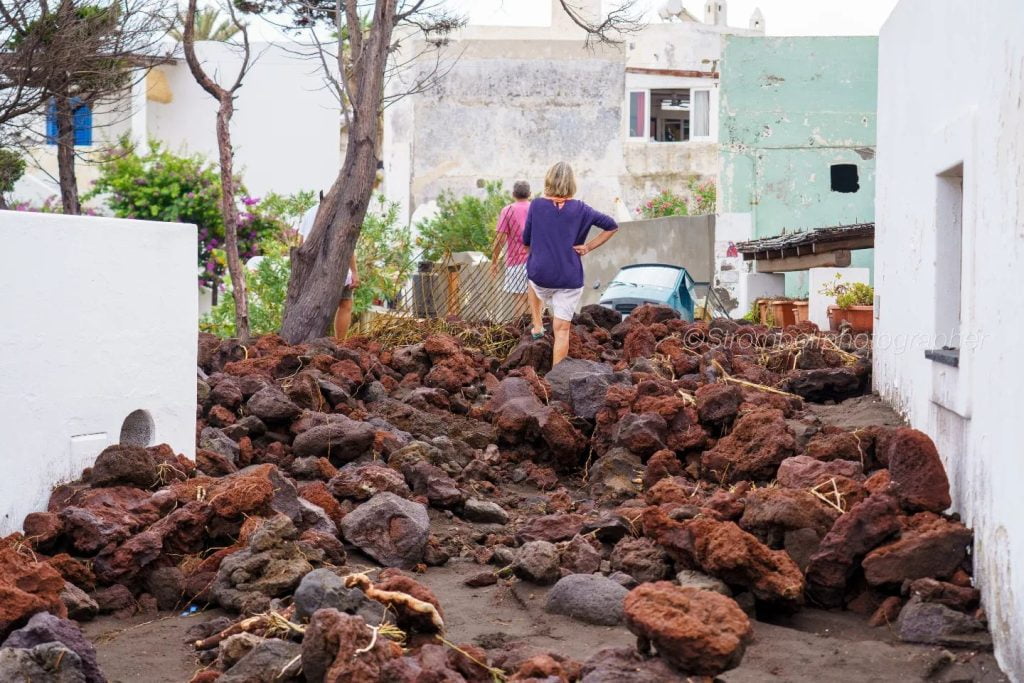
(267, 286)
(463, 224)
(383, 255)
(667, 203)
(702, 200)
(849, 293)
(161, 186)
(704, 197)
(12, 167)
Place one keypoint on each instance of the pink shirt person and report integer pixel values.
(511, 223)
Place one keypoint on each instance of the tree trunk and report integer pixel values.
(318, 267)
(230, 213)
(66, 156)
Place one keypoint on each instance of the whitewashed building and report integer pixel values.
(96, 350)
(949, 247)
(634, 119)
(286, 130)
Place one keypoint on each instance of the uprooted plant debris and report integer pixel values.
(684, 492)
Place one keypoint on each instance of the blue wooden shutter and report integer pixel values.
(83, 123)
(51, 122)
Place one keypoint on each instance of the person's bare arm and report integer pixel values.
(604, 236)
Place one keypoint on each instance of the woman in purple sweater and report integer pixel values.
(555, 235)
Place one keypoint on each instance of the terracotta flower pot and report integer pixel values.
(861, 318)
(783, 313)
(800, 309)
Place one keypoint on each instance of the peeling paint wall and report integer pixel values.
(971, 411)
(789, 109)
(518, 99)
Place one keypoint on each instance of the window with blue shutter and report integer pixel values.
(82, 116)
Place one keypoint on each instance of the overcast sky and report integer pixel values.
(782, 17)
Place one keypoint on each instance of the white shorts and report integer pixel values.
(562, 302)
(515, 279)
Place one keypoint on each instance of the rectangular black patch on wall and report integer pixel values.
(845, 178)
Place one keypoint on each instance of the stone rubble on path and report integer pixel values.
(654, 481)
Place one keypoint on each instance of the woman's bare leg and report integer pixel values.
(561, 340)
(343, 318)
(536, 309)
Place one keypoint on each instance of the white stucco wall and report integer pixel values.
(973, 412)
(99, 320)
(286, 129)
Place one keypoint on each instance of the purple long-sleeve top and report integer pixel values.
(551, 233)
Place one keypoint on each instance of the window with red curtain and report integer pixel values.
(638, 114)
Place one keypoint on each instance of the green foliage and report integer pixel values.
(288, 209)
(856, 294)
(209, 26)
(667, 203)
(12, 167)
(161, 186)
(383, 255)
(267, 286)
(849, 293)
(463, 224)
(754, 314)
(704, 196)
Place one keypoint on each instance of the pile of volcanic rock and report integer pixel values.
(664, 477)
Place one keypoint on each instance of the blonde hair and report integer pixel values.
(560, 181)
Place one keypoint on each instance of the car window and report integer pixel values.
(649, 276)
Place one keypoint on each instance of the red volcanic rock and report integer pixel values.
(929, 547)
(27, 587)
(770, 512)
(727, 552)
(918, 477)
(662, 464)
(855, 533)
(758, 443)
(718, 404)
(551, 528)
(804, 472)
(697, 631)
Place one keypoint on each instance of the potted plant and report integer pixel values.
(783, 312)
(800, 308)
(854, 304)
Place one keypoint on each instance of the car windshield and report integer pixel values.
(662, 277)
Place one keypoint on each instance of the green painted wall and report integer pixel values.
(790, 108)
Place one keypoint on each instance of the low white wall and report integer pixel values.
(98, 320)
(972, 411)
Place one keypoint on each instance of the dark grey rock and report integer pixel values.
(213, 439)
(272, 661)
(250, 426)
(47, 663)
(80, 606)
(537, 561)
(611, 476)
(45, 628)
(271, 404)
(341, 440)
(484, 512)
(323, 588)
(936, 624)
(592, 598)
(390, 529)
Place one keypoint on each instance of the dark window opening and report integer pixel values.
(844, 178)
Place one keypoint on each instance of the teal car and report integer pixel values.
(652, 283)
